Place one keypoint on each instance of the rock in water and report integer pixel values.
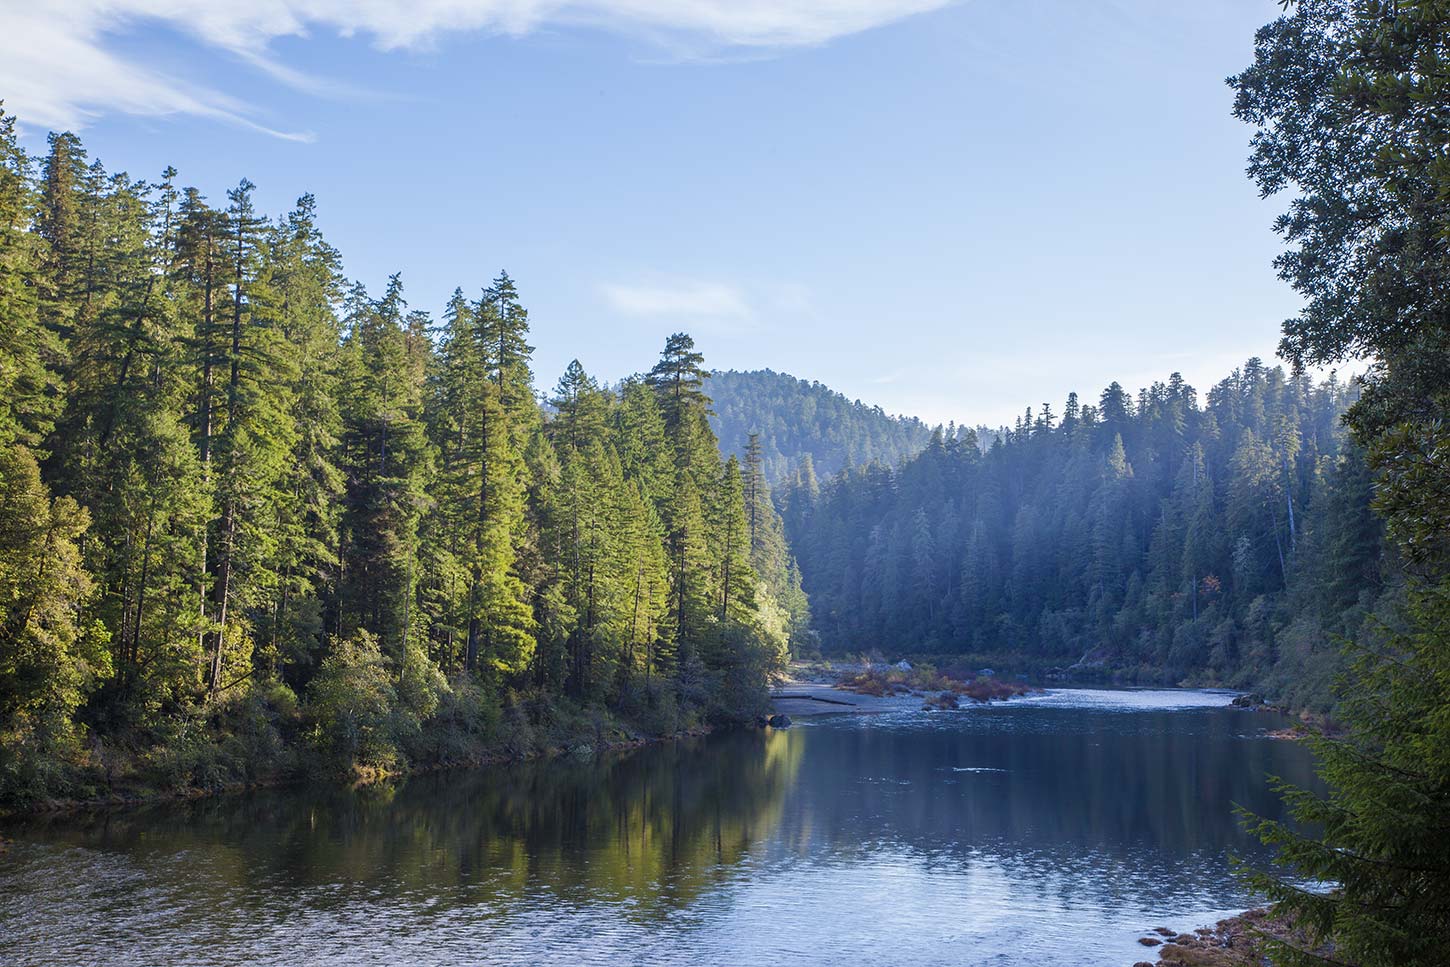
(779, 721)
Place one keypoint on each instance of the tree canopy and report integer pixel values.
(257, 517)
(1346, 98)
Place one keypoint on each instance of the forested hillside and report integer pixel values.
(797, 420)
(1159, 539)
(255, 519)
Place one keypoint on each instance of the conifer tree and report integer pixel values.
(304, 281)
(29, 350)
(253, 448)
(230, 486)
(387, 464)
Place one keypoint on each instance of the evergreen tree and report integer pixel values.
(388, 464)
(1341, 96)
(48, 658)
(303, 277)
(29, 350)
(249, 519)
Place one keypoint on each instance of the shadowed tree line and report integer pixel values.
(1154, 538)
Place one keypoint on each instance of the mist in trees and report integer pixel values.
(1156, 538)
(793, 419)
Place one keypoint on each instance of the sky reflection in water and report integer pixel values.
(1047, 831)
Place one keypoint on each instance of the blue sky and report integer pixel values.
(955, 210)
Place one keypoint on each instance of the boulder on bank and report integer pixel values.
(942, 702)
(1251, 700)
(1235, 942)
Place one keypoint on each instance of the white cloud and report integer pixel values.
(685, 300)
(58, 68)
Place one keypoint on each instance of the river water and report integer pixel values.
(1051, 830)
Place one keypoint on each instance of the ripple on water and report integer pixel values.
(1050, 829)
(1132, 699)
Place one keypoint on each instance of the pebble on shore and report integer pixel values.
(1234, 942)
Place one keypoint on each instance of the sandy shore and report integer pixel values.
(801, 698)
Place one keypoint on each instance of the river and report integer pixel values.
(1050, 830)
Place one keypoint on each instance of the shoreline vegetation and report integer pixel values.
(555, 732)
(822, 687)
(257, 521)
(598, 738)
(942, 690)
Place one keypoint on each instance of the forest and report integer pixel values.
(260, 522)
(255, 520)
(800, 421)
(1155, 539)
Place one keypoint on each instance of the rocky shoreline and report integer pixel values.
(1241, 941)
(817, 690)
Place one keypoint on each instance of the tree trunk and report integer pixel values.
(221, 596)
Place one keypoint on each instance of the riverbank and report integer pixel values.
(823, 688)
(801, 698)
(115, 781)
(1241, 941)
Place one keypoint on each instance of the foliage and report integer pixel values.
(49, 656)
(1346, 98)
(797, 421)
(231, 479)
(1155, 539)
(350, 703)
(1383, 847)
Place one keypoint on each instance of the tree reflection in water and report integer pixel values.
(883, 839)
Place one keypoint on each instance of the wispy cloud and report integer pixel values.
(59, 68)
(685, 300)
(54, 71)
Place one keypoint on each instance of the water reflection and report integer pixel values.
(654, 827)
(1014, 834)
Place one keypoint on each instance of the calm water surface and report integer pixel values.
(1046, 831)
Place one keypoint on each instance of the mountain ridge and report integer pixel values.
(795, 417)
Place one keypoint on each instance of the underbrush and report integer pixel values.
(352, 725)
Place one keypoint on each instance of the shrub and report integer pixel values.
(349, 705)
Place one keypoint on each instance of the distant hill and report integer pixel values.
(794, 417)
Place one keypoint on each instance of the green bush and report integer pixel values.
(463, 726)
(348, 706)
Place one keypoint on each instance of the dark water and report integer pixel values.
(1051, 831)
